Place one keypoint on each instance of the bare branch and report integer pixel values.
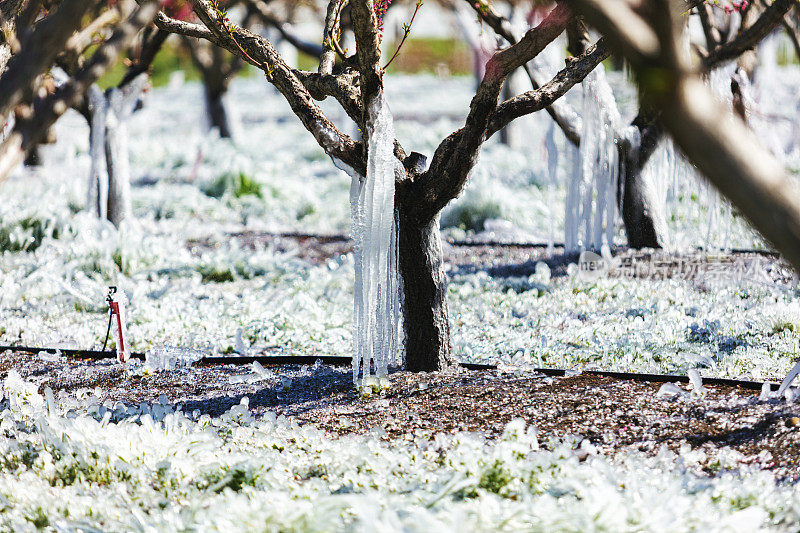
(365, 27)
(39, 50)
(750, 37)
(330, 35)
(71, 59)
(533, 101)
(151, 44)
(561, 112)
(263, 12)
(48, 109)
(189, 29)
(456, 155)
(254, 47)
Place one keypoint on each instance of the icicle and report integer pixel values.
(97, 200)
(121, 105)
(591, 205)
(376, 293)
(571, 220)
(552, 181)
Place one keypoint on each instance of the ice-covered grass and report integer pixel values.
(57, 261)
(71, 464)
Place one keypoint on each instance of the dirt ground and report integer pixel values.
(614, 415)
(508, 259)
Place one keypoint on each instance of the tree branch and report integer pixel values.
(456, 155)
(39, 50)
(560, 111)
(47, 110)
(330, 35)
(263, 12)
(365, 28)
(256, 48)
(750, 37)
(533, 101)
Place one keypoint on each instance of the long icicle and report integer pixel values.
(376, 300)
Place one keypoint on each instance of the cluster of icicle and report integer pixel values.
(376, 293)
(675, 180)
(591, 207)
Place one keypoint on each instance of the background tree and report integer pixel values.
(60, 35)
(711, 136)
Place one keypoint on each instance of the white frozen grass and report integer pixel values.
(54, 295)
(73, 465)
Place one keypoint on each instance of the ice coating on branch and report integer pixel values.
(591, 205)
(376, 297)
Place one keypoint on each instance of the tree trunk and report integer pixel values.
(97, 191)
(34, 156)
(645, 226)
(215, 109)
(122, 102)
(33, 159)
(119, 172)
(425, 315)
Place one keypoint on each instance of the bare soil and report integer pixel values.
(513, 260)
(614, 415)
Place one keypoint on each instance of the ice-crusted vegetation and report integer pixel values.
(70, 463)
(57, 260)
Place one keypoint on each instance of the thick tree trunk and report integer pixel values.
(425, 315)
(33, 159)
(644, 222)
(216, 111)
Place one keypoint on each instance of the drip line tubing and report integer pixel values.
(333, 360)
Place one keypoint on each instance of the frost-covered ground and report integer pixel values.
(73, 466)
(126, 467)
(57, 260)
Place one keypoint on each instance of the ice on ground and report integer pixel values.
(161, 358)
(152, 466)
(788, 380)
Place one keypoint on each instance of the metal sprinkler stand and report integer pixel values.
(116, 308)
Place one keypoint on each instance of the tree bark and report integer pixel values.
(425, 315)
(215, 107)
(644, 222)
(33, 158)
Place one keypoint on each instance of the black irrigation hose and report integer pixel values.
(67, 352)
(333, 360)
(341, 237)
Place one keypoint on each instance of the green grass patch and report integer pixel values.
(236, 184)
(428, 54)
